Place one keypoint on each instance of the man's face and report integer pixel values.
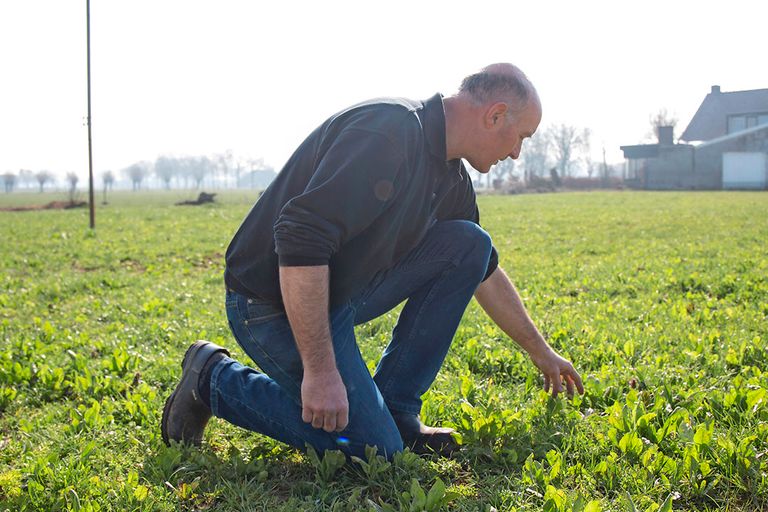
(504, 136)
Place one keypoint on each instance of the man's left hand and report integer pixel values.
(558, 371)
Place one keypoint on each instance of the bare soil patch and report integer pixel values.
(53, 205)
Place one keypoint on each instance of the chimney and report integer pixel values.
(715, 89)
(666, 135)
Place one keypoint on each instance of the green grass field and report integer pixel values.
(659, 299)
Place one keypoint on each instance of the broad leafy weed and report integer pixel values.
(661, 300)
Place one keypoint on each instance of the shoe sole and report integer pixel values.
(169, 401)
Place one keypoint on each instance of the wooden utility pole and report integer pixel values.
(90, 152)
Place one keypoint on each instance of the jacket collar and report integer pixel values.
(434, 128)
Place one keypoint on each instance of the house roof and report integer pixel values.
(735, 135)
(640, 151)
(710, 121)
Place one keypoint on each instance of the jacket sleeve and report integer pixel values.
(353, 183)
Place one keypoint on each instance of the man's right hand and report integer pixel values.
(557, 370)
(323, 395)
(324, 400)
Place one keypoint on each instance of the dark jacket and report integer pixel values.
(358, 194)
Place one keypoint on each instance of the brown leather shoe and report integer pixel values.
(423, 439)
(185, 415)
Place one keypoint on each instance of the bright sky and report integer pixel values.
(197, 77)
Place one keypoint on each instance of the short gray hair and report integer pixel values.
(485, 86)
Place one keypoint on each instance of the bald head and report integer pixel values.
(495, 110)
(499, 82)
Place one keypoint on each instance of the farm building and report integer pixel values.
(727, 147)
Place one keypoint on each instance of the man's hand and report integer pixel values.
(324, 400)
(499, 298)
(557, 370)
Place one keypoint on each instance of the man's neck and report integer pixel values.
(457, 112)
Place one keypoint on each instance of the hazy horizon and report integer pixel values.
(193, 78)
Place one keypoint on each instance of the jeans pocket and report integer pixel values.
(263, 332)
(261, 312)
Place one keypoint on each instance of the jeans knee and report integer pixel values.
(478, 244)
(389, 449)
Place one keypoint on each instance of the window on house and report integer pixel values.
(635, 168)
(762, 119)
(736, 123)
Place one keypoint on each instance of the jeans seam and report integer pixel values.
(427, 301)
(264, 353)
(277, 366)
(215, 401)
(214, 398)
(277, 426)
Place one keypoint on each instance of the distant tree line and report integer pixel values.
(27, 179)
(223, 170)
(554, 153)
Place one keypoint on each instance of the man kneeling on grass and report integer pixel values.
(375, 207)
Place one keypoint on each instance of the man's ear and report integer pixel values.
(495, 113)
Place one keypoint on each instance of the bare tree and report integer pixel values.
(555, 177)
(255, 164)
(42, 178)
(569, 143)
(660, 118)
(213, 171)
(597, 169)
(108, 178)
(165, 169)
(196, 168)
(260, 174)
(536, 155)
(226, 163)
(136, 173)
(9, 181)
(604, 170)
(503, 170)
(72, 178)
(26, 178)
(238, 164)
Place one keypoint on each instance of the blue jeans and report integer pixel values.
(438, 279)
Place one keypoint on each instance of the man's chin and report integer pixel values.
(479, 167)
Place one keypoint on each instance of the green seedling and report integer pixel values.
(660, 300)
(326, 468)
